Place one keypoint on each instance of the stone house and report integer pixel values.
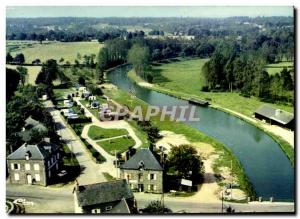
(113, 197)
(34, 164)
(143, 172)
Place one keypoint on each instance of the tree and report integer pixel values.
(81, 81)
(156, 207)
(20, 59)
(12, 81)
(61, 60)
(261, 84)
(139, 57)
(48, 73)
(287, 81)
(185, 163)
(23, 74)
(33, 136)
(102, 63)
(9, 58)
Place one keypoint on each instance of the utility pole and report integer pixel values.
(116, 165)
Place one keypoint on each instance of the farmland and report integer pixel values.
(32, 72)
(277, 68)
(52, 50)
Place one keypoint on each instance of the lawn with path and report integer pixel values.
(98, 133)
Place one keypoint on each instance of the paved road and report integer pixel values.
(194, 207)
(91, 172)
(44, 199)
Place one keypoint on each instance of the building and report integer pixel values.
(143, 172)
(113, 197)
(275, 116)
(34, 164)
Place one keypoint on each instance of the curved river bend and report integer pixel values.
(265, 164)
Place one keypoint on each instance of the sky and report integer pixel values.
(147, 11)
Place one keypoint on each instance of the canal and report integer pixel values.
(265, 164)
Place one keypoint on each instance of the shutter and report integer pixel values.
(12, 166)
(19, 166)
(154, 176)
(155, 187)
(148, 176)
(149, 188)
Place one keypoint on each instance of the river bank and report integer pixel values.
(225, 155)
(284, 139)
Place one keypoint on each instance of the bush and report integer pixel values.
(98, 91)
(205, 89)
(75, 103)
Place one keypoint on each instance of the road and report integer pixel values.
(43, 199)
(91, 171)
(194, 207)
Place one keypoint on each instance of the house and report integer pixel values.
(113, 197)
(143, 172)
(34, 164)
(275, 116)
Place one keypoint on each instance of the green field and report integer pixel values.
(117, 145)
(277, 68)
(193, 135)
(98, 133)
(32, 72)
(184, 79)
(52, 50)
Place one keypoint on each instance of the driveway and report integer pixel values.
(91, 171)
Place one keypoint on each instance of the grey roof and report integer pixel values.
(38, 151)
(31, 123)
(278, 115)
(120, 208)
(145, 156)
(103, 192)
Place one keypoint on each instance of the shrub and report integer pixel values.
(205, 89)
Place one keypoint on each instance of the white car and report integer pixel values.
(62, 173)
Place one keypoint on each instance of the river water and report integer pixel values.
(265, 164)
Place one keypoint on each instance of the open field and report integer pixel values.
(32, 72)
(175, 78)
(277, 67)
(118, 145)
(98, 133)
(52, 50)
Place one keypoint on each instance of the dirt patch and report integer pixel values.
(145, 84)
(170, 139)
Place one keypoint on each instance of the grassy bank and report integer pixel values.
(193, 135)
(183, 78)
(231, 101)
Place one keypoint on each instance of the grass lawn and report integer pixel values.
(62, 92)
(193, 135)
(98, 133)
(32, 72)
(52, 50)
(277, 67)
(184, 79)
(140, 134)
(118, 145)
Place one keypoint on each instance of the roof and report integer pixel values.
(145, 156)
(31, 123)
(121, 208)
(38, 151)
(103, 192)
(277, 115)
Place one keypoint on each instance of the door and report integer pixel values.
(141, 187)
(29, 179)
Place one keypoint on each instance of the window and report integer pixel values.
(17, 177)
(51, 159)
(57, 156)
(36, 166)
(16, 166)
(37, 177)
(49, 173)
(108, 208)
(128, 176)
(96, 211)
(151, 187)
(48, 163)
(27, 166)
(152, 176)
